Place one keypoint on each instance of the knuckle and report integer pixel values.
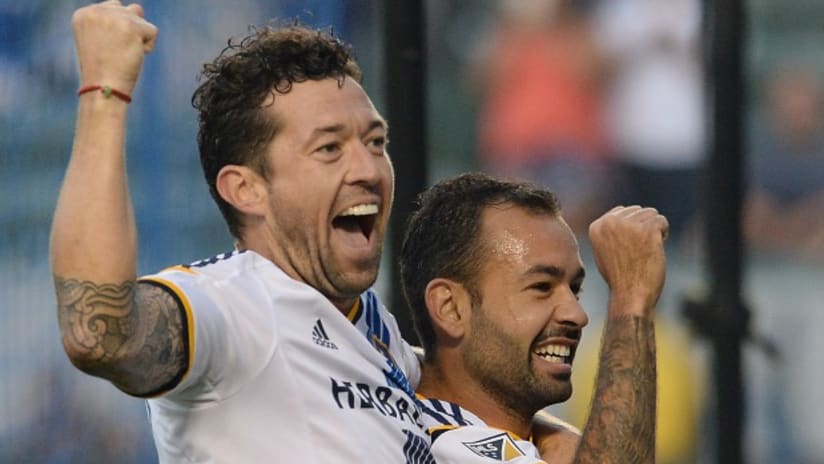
(94, 15)
(595, 227)
(81, 15)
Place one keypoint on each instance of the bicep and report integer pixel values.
(132, 334)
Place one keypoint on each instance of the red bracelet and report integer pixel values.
(107, 92)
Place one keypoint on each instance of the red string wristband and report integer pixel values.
(106, 90)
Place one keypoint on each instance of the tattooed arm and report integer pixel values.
(621, 424)
(628, 249)
(131, 333)
(111, 326)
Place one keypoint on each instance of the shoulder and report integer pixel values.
(458, 436)
(480, 444)
(220, 266)
(438, 415)
(233, 273)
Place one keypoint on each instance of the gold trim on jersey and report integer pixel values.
(354, 312)
(190, 321)
(513, 435)
(180, 268)
(442, 428)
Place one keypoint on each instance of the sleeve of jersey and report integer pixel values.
(205, 330)
(481, 445)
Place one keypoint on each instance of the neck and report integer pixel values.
(452, 383)
(262, 247)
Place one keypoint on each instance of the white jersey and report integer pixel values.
(278, 374)
(460, 437)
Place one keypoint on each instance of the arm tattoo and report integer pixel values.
(131, 334)
(621, 424)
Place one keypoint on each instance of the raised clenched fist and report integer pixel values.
(111, 40)
(628, 246)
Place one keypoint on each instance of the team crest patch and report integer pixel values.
(500, 447)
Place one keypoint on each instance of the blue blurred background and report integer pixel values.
(600, 100)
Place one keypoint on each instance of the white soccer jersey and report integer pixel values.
(460, 437)
(278, 374)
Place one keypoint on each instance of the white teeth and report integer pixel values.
(553, 351)
(361, 210)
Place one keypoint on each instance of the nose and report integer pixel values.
(364, 166)
(571, 313)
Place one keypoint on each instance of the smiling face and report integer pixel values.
(330, 188)
(524, 330)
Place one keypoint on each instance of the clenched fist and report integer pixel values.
(628, 246)
(111, 41)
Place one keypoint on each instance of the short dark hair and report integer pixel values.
(234, 127)
(443, 236)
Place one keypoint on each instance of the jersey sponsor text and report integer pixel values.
(358, 395)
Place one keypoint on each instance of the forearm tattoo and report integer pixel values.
(129, 333)
(621, 425)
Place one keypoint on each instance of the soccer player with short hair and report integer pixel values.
(277, 351)
(492, 274)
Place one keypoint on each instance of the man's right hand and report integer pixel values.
(111, 41)
(627, 243)
(628, 246)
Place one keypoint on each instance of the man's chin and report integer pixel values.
(558, 393)
(353, 283)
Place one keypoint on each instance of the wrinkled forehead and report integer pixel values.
(324, 103)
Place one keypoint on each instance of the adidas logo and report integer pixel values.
(320, 337)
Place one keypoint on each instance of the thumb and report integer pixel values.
(148, 31)
(136, 9)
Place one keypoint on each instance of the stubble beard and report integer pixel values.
(507, 375)
(348, 283)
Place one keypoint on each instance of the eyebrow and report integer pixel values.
(319, 131)
(378, 123)
(555, 271)
(331, 129)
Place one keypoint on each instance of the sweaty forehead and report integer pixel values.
(506, 244)
(521, 239)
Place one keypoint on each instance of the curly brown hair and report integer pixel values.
(234, 127)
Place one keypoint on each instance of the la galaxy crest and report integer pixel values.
(500, 447)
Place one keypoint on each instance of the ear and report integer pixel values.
(242, 188)
(449, 308)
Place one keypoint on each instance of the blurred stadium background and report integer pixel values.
(51, 413)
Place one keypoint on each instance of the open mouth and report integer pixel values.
(358, 219)
(555, 353)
